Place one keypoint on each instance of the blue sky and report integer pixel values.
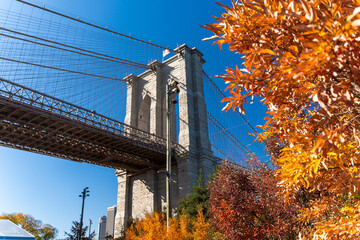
(47, 187)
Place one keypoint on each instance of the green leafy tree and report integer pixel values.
(74, 231)
(47, 232)
(33, 226)
(197, 199)
(109, 237)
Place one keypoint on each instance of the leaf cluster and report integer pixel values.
(245, 204)
(303, 59)
(153, 227)
(35, 227)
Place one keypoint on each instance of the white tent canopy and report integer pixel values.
(11, 231)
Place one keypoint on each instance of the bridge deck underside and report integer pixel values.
(27, 128)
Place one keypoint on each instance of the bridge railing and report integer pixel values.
(29, 97)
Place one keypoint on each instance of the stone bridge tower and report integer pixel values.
(143, 193)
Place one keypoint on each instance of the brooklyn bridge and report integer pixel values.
(74, 90)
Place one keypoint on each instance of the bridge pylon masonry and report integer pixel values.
(141, 193)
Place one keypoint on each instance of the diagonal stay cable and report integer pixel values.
(225, 155)
(110, 58)
(221, 92)
(228, 134)
(93, 25)
(60, 69)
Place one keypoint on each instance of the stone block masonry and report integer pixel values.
(144, 192)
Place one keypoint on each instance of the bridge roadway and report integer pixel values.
(36, 122)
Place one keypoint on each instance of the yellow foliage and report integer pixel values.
(153, 227)
(201, 228)
(33, 226)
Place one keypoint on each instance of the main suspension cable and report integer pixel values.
(93, 25)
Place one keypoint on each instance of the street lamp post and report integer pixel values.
(90, 228)
(83, 194)
(171, 89)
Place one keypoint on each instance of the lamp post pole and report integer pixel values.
(83, 194)
(171, 88)
(90, 228)
(168, 154)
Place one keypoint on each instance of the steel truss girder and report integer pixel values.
(36, 122)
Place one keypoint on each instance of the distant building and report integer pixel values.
(102, 228)
(110, 220)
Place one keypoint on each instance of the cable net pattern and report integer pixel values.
(69, 58)
(85, 64)
(229, 131)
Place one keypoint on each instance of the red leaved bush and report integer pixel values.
(245, 204)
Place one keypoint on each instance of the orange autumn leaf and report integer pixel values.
(303, 60)
(153, 227)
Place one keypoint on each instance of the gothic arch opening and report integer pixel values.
(144, 114)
